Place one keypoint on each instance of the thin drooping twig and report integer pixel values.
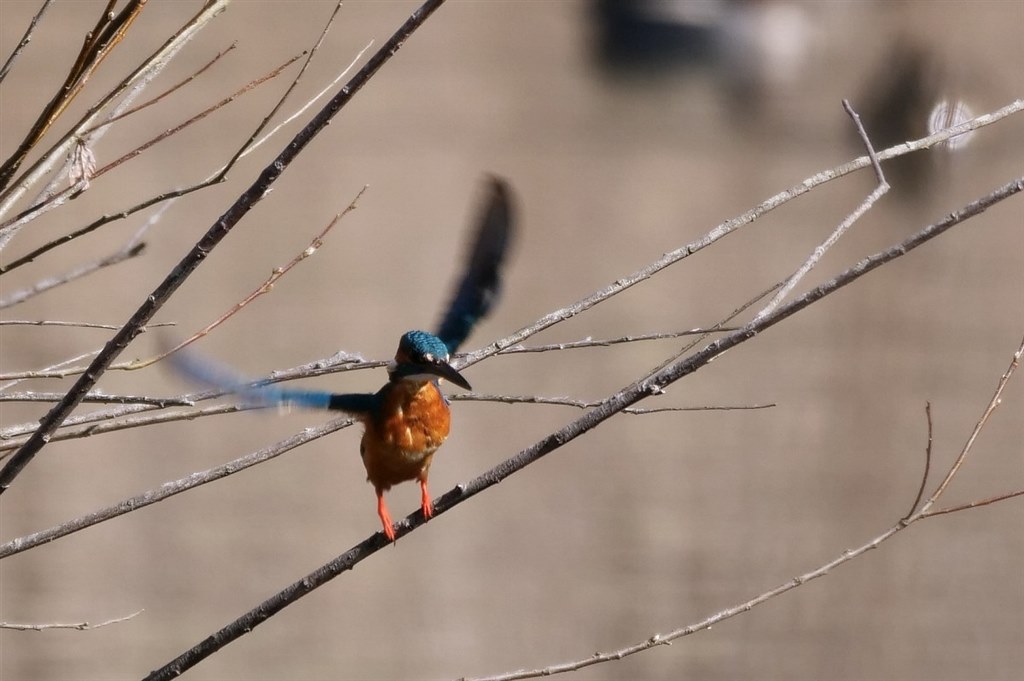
(260, 290)
(927, 462)
(80, 626)
(845, 557)
(256, 191)
(844, 226)
(613, 405)
(25, 40)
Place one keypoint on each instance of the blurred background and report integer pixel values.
(627, 130)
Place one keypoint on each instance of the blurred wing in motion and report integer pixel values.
(480, 286)
(264, 394)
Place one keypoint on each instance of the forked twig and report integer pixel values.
(845, 225)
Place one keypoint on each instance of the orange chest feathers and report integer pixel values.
(403, 434)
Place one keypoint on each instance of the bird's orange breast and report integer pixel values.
(402, 436)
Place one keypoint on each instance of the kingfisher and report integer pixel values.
(408, 419)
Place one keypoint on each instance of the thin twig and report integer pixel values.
(974, 504)
(81, 626)
(163, 95)
(865, 205)
(245, 89)
(119, 256)
(927, 462)
(606, 342)
(25, 40)
(79, 325)
(993, 403)
(100, 398)
(585, 404)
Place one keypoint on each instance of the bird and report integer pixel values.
(408, 419)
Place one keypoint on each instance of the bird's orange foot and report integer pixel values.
(385, 517)
(425, 503)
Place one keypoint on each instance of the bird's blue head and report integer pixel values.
(423, 356)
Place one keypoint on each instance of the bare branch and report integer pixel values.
(927, 462)
(79, 325)
(974, 504)
(102, 398)
(845, 225)
(81, 626)
(584, 404)
(162, 95)
(25, 40)
(606, 342)
(126, 252)
(978, 427)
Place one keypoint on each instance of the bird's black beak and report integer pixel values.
(445, 371)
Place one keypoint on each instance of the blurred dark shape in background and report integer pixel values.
(750, 48)
(901, 96)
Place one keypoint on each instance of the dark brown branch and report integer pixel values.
(210, 240)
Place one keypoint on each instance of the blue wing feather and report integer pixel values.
(261, 393)
(480, 286)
